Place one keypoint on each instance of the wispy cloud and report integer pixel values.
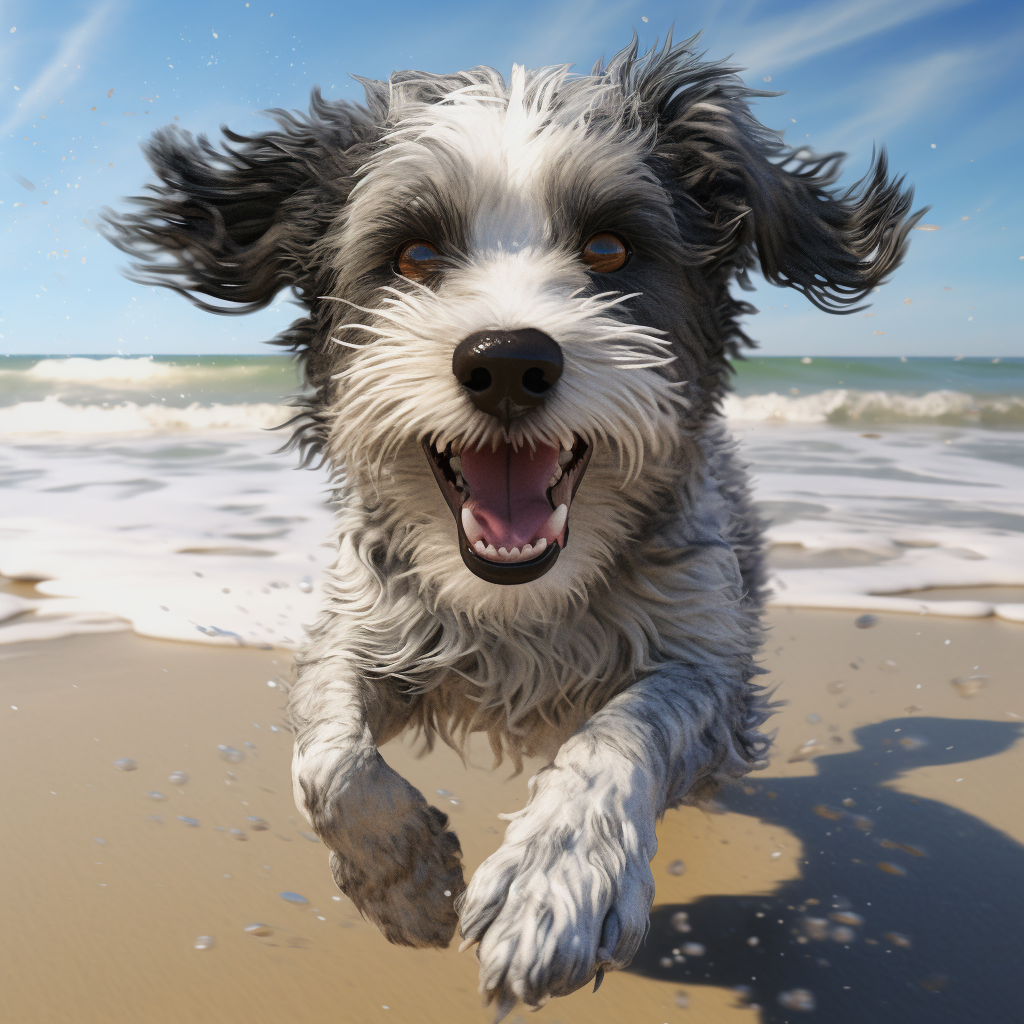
(935, 82)
(573, 27)
(62, 69)
(775, 43)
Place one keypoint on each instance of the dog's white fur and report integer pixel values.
(630, 664)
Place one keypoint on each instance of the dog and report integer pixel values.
(518, 328)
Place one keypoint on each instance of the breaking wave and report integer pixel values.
(53, 416)
(843, 405)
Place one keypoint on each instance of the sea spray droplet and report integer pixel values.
(239, 834)
(682, 1000)
(178, 778)
(898, 939)
(863, 622)
(694, 949)
(797, 999)
(155, 795)
(261, 930)
(677, 867)
(204, 942)
(681, 921)
(257, 824)
(306, 585)
(125, 764)
(192, 822)
(230, 754)
(293, 897)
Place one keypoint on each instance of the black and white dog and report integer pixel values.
(518, 331)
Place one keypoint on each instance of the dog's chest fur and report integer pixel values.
(528, 665)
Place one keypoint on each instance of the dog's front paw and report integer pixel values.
(392, 855)
(566, 897)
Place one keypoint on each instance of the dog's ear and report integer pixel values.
(744, 198)
(237, 224)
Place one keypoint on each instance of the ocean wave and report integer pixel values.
(843, 405)
(52, 416)
(80, 370)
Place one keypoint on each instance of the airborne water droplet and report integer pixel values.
(797, 999)
(204, 942)
(230, 754)
(178, 778)
(155, 795)
(259, 929)
(125, 764)
(677, 867)
(257, 824)
(293, 897)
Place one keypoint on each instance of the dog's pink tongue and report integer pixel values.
(508, 491)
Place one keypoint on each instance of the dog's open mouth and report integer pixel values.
(511, 506)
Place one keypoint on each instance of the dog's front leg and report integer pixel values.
(391, 853)
(569, 892)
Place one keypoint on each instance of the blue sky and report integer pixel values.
(939, 82)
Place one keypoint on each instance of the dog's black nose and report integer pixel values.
(507, 372)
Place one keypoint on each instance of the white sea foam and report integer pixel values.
(54, 416)
(843, 405)
(190, 533)
(936, 508)
(207, 538)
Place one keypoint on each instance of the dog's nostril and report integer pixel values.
(507, 372)
(479, 379)
(534, 382)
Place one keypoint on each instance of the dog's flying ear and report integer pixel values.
(240, 223)
(745, 198)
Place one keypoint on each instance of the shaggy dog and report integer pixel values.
(518, 330)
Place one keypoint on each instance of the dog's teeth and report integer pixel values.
(490, 551)
(456, 464)
(474, 531)
(527, 550)
(503, 552)
(553, 527)
(479, 547)
(540, 545)
(555, 477)
(564, 458)
(514, 553)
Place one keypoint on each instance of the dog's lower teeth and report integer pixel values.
(456, 464)
(564, 458)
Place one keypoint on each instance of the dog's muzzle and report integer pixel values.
(511, 505)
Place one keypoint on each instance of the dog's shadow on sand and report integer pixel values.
(907, 911)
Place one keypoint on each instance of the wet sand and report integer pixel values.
(106, 889)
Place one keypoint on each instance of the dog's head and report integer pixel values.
(514, 289)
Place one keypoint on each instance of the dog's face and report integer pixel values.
(518, 294)
(499, 237)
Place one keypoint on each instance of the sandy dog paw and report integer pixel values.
(555, 907)
(392, 855)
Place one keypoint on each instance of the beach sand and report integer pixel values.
(107, 890)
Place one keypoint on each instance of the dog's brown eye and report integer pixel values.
(417, 259)
(605, 252)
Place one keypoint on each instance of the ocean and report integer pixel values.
(145, 493)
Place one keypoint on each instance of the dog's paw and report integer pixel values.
(392, 855)
(567, 897)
